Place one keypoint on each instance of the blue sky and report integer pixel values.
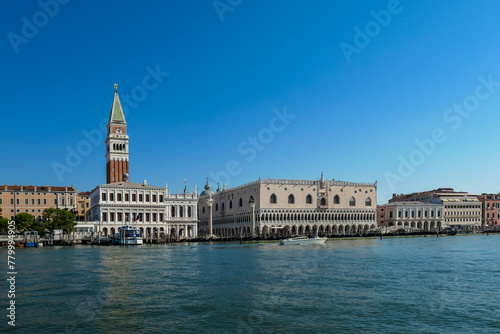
(281, 89)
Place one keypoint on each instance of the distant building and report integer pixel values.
(289, 207)
(34, 199)
(460, 209)
(83, 206)
(154, 210)
(410, 216)
(491, 209)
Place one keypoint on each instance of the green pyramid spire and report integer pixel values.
(116, 110)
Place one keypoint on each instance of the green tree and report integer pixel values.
(23, 221)
(4, 224)
(59, 219)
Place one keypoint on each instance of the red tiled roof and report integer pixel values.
(32, 188)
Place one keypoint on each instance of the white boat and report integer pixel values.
(128, 235)
(302, 241)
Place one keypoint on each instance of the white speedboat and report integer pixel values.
(128, 235)
(302, 241)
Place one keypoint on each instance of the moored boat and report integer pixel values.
(128, 235)
(302, 241)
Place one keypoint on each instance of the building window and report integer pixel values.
(368, 202)
(399, 214)
(390, 214)
(323, 201)
(119, 197)
(161, 217)
(1, 201)
(216, 206)
(154, 215)
(273, 199)
(103, 196)
(172, 211)
(147, 216)
(119, 214)
(203, 209)
(44, 201)
(112, 216)
(336, 199)
(11, 201)
(406, 214)
(126, 197)
(140, 197)
(38, 201)
(309, 199)
(352, 201)
(32, 201)
(111, 197)
(222, 207)
(104, 217)
(181, 212)
(154, 199)
(189, 211)
(25, 201)
(291, 199)
(134, 197)
(55, 201)
(161, 198)
(241, 202)
(147, 198)
(230, 204)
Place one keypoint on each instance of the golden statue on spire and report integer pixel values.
(116, 88)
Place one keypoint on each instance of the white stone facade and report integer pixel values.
(290, 207)
(410, 216)
(152, 209)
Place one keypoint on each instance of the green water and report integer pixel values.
(417, 285)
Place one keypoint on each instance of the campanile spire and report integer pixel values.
(117, 153)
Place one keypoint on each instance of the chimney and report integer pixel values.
(21, 186)
(35, 188)
(5, 186)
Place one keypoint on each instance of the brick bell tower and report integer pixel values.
(117, 143)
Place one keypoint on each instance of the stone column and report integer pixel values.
(210, 202)
(253, 220)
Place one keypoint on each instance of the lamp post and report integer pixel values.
(252, 203)
(210, 202)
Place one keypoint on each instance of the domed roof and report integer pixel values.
(207, 190)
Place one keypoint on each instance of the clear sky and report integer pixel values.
(404, 93)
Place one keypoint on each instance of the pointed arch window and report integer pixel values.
(216, 206)
(222, 206)
(323, 201)
(368, 202)
(309, 199)
(291, 199)
(273, 199)
(336, 199)
(241, 202)
(230, 204)
(352, 201)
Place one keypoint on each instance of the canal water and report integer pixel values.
(418, 285)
